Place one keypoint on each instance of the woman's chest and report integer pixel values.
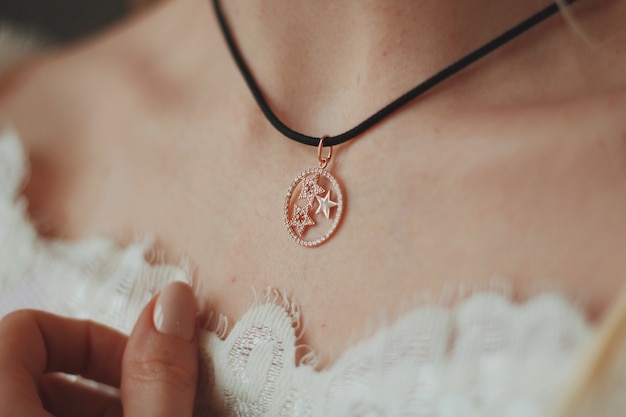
(533, 209)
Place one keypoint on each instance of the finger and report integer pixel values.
(19, 397)
(41, 342)
(64, 397)
(33, 343)
(160, 366)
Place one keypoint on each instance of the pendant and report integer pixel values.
(314, 204)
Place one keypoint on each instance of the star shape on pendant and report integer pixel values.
(310, 189)
(301, 219)
(325, 204)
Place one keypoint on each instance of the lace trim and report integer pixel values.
(477, 356)
(18, 239)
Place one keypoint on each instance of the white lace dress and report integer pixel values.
(485, 356)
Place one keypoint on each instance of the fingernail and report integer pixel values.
(175, 311)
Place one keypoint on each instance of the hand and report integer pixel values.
(155, 369)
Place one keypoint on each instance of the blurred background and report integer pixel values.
(29, 26)
(61, 21)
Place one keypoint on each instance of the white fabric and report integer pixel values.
(484, 356)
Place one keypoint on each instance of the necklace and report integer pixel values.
(314, 202)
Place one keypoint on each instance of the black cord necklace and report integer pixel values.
(310, 229)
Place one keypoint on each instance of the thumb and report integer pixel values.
(160, 366)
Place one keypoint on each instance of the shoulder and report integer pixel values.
(146, 58)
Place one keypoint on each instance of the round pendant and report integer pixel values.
(313, 207)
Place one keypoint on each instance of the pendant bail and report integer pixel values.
(324, 160)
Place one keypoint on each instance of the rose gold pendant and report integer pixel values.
(314, 204)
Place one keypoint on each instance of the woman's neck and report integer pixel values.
(325, 66)
(327, 32)
(357, 55)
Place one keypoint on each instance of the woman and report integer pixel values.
(510, 169)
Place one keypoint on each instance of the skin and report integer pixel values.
(515, 168)
(154, 372)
